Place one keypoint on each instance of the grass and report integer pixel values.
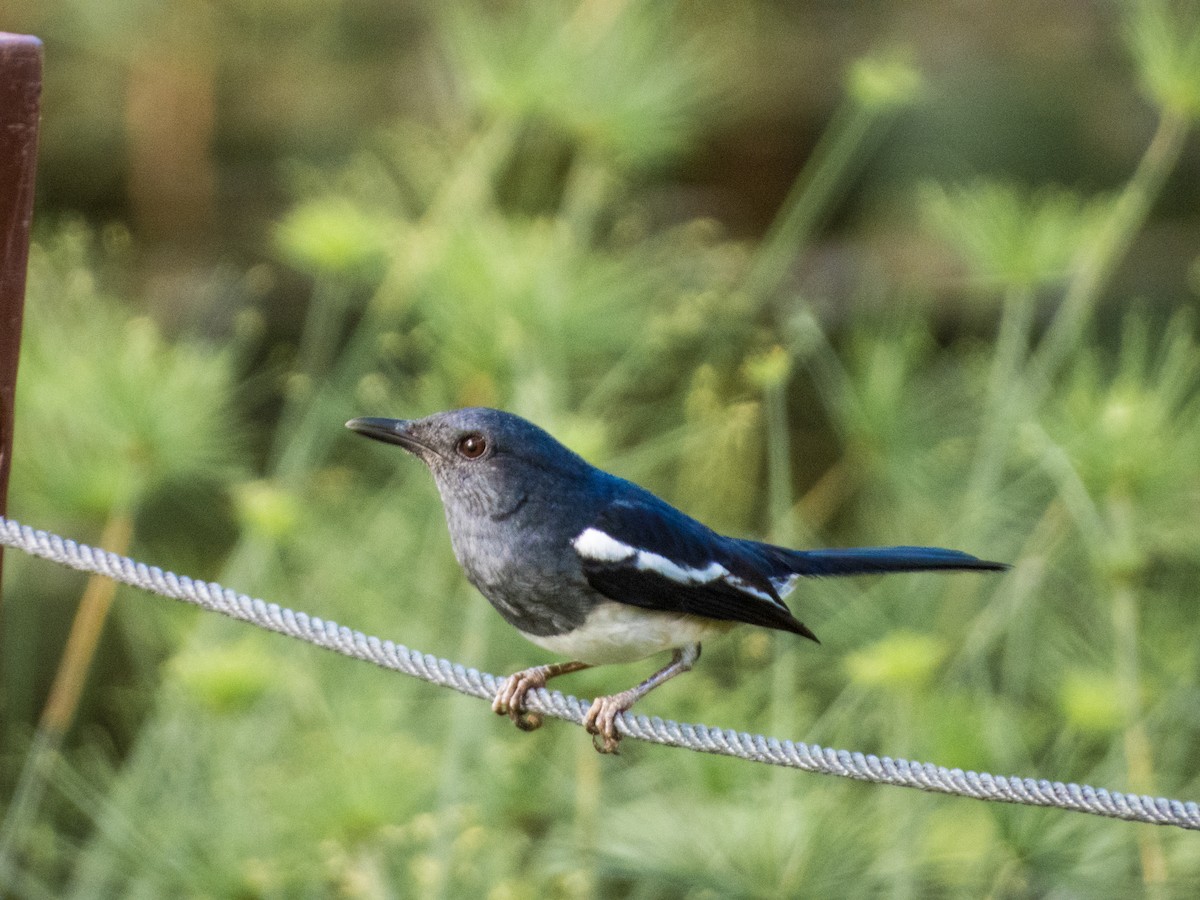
(456, 266)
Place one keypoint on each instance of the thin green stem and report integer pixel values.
(585, 196)
(304, 433)
(841, 147)
(1099, 260)
(1004, 395)
(810, 346)
(589, 788)
(779, 486)
(469, 187)
(779, 461)
(1139, 761)
(1100, 531)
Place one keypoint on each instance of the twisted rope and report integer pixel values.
(725, 742)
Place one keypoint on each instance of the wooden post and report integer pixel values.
(20, 103)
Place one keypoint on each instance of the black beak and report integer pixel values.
(390, 431)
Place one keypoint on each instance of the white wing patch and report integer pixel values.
(783, 586)
(595, 545)
(747, 588)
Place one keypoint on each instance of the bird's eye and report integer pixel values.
(472, 446)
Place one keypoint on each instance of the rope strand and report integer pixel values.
(756, 747)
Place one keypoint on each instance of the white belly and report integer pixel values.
(617, 633)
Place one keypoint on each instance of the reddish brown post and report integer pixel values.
(20, 96)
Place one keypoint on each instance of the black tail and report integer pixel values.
(873, 560)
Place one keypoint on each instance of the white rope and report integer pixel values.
(725, 742)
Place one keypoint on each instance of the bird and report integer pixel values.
(595, 568)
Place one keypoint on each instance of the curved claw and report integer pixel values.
(601, 723)
(510, 698)
(602, 744)
(525, 719)
(601, 719)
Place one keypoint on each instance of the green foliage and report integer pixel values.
(109, 408)
(884, 82)
(1104, 419)
(1012, 238)
(615, 79)
(505, 253)
(1165, 40)
(902, 661)
(1089, 702)
(335, 236)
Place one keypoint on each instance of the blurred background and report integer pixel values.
(819, 273)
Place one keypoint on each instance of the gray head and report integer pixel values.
(484, 461)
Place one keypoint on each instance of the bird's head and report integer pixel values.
(484, 461)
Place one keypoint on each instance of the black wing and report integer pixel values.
(650, 555)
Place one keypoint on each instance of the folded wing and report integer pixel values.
(654, 557)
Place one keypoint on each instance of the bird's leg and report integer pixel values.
(510, 699)
(600, 720)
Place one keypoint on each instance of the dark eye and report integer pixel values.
(472, 446)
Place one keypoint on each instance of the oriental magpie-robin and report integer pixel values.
(595, 568)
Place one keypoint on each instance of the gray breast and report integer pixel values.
(527, 571)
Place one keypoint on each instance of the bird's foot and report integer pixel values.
(601, 719)
(510, 699)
